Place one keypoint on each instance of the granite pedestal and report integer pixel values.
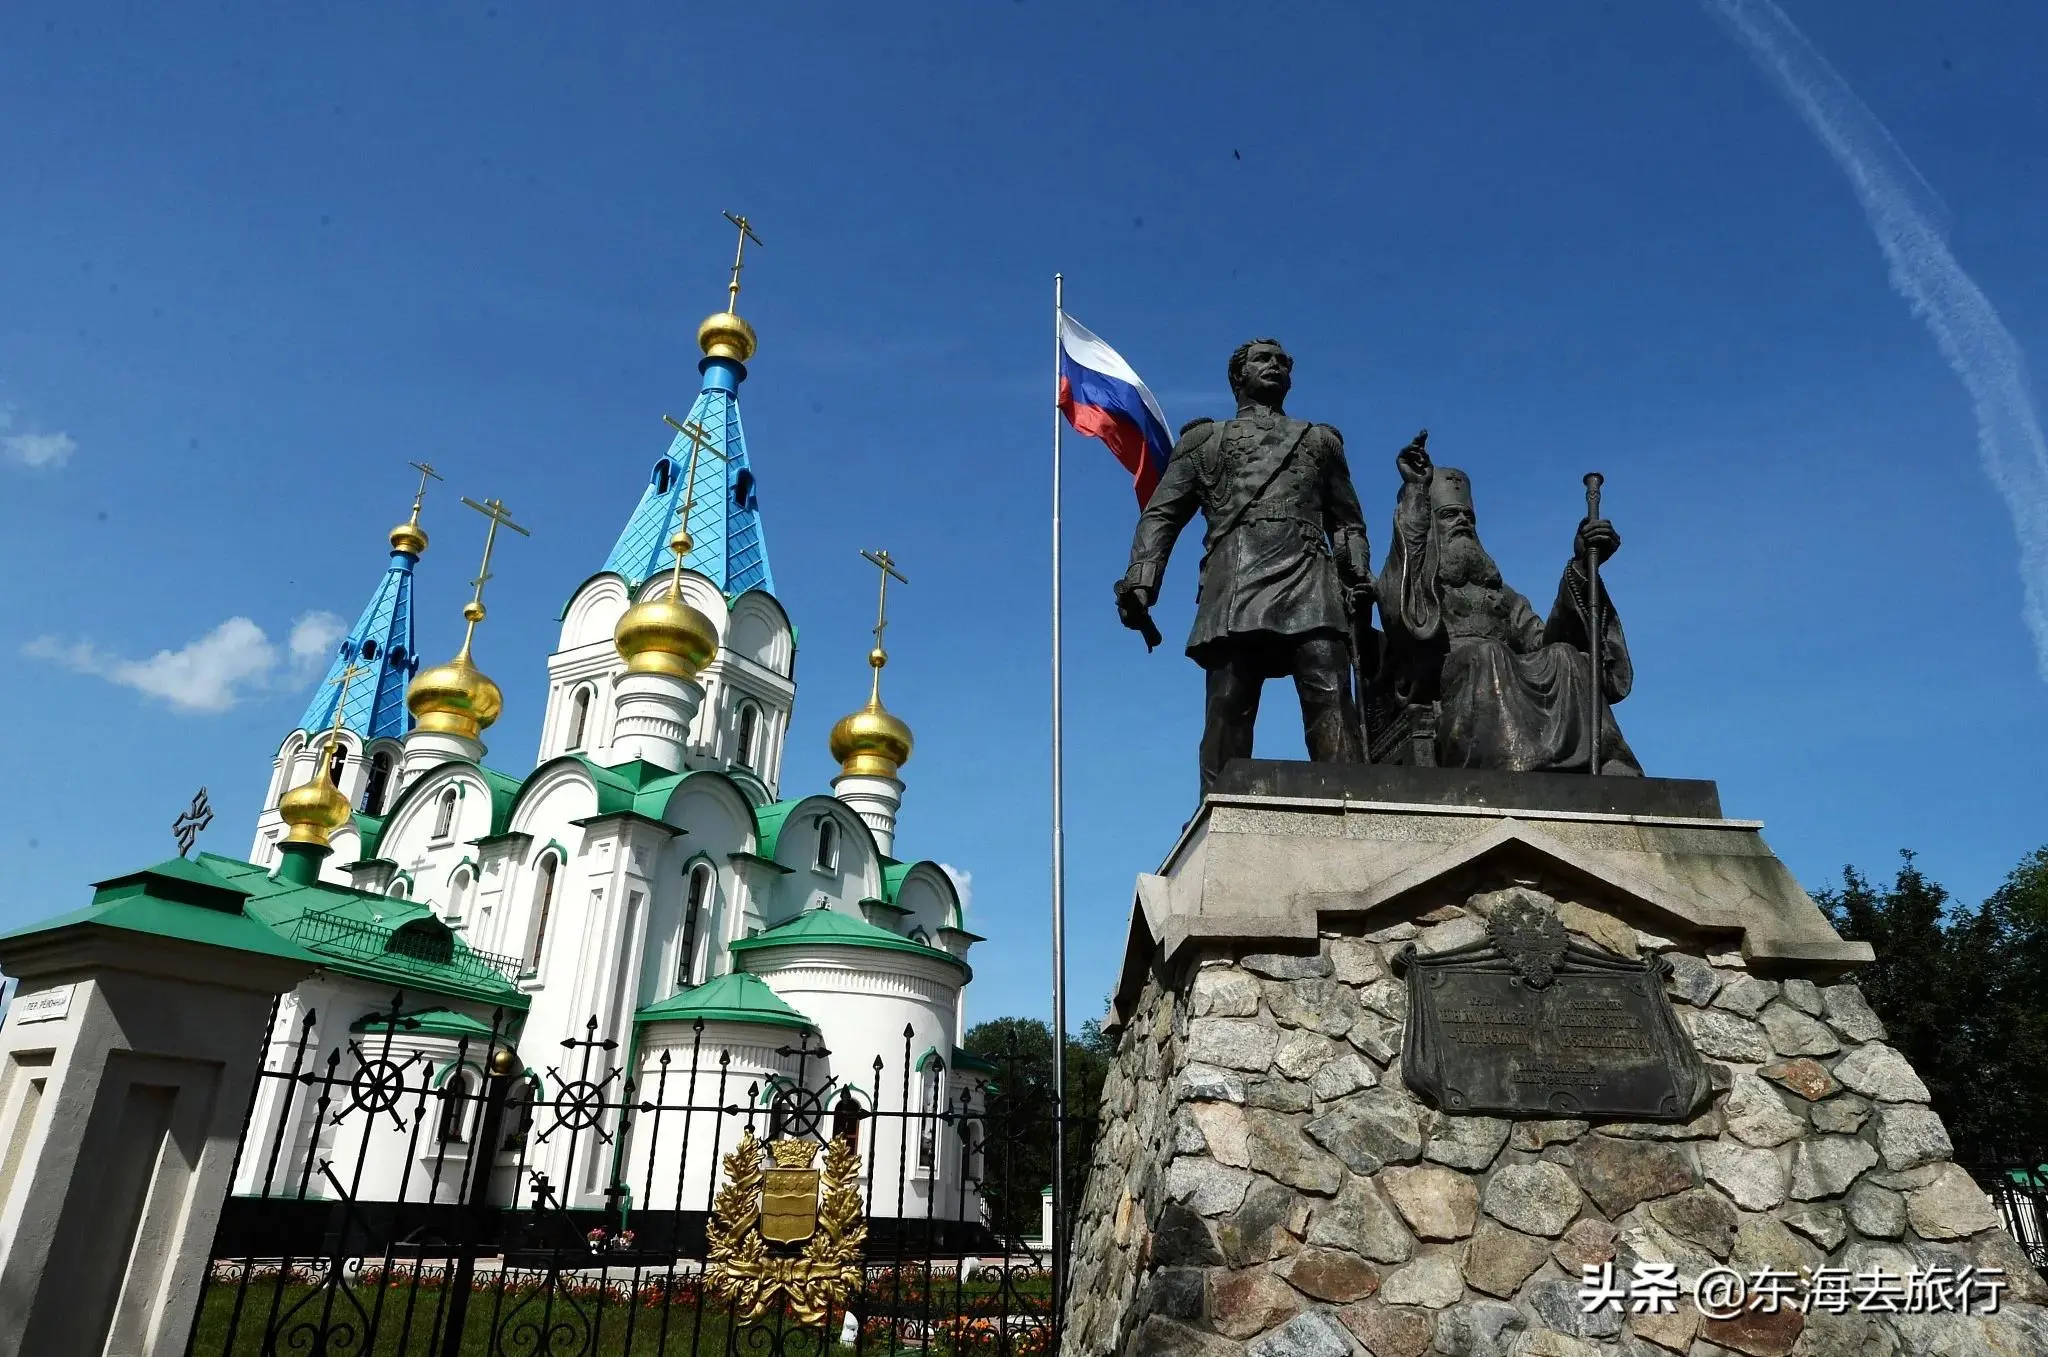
(1266, 1183)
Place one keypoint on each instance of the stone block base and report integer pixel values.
(1265, 1184)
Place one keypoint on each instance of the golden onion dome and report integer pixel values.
(410, 538)
(314, 809)
(665, 635)
(456, 698)
(725, 335)
(874, 741)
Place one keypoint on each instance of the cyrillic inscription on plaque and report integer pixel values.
(1531, 1023)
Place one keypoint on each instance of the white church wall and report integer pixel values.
(853, 873)
(862, 1000)
(760, 633)
(594, 612)
(373, 1149)
(719, 823)
(552, 799)
(429, 833)
(695, 1077)
(929, 903)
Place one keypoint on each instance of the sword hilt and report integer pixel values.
(1594, 480)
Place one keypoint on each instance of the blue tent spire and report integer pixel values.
(381, 639)
(728, 545)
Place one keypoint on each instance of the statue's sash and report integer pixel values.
(1235, 517)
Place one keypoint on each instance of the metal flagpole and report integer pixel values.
(1059, 857)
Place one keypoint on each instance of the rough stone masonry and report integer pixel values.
(1266, 1185)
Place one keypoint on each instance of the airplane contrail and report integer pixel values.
(1904, 214)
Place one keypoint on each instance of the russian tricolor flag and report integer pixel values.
(1103, 398)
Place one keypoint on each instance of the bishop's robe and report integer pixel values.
(1513, 691)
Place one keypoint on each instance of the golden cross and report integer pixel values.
(493, 509)
(680, 544)
(739, 259)
(425, 469)
(885, 563)
(344, 678)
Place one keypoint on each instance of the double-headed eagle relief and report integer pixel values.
(1462, 672)
(784, 1230)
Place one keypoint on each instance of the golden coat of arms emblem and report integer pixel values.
(774, 1195)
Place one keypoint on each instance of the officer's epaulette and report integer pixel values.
(1192, 424)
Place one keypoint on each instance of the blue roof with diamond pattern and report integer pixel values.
(381, 639)
(728, 546)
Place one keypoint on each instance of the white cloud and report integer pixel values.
(1906, 218)
(312, 643)
(963, 882)
(39, 451)
(213, 673)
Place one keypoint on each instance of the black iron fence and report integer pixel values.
(2017, 1184)
(397, 1197)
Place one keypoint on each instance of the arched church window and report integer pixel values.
(931, 1084)
(749, 731)
(697, 897)
(378, 781)
(458, 893)
(661, 475)
(847, 1115)
(543, 902)
(444, 815)
(454, 1108)
(579, 717)
(743, 489)
(337, 759)
(399, 889)
(369, 650)
(828, 845)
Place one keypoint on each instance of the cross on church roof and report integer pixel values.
(885, 563)
(739, 257)
(493, 509)
(681, 543)
(186, 828)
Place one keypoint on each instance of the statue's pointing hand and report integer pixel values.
(1598, 536)
(1413, 460)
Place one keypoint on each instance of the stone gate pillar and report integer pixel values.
(126, 1062)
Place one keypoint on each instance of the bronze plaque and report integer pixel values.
(1532, 1023)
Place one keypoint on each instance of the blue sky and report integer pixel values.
(254, 259)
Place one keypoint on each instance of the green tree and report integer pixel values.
(1963, 993)
(1018, 1127)
(2010, 1019)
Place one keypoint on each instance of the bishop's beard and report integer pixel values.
(1461, 560)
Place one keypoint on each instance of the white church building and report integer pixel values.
(642, 900)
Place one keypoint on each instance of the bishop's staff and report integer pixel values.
(1596, 700)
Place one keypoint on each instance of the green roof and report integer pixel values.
(379, 937)
(734, 997)
(768, 821)
(427, 1022)
(178, 898)
(892, 879)
(635, 787)
(964, 1059)
(829, 928)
